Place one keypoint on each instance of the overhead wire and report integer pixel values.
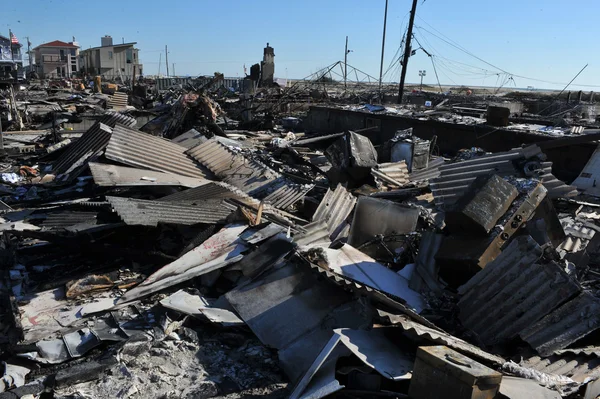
(454, 44)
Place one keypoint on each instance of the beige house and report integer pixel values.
(57, 59)
(112, 61)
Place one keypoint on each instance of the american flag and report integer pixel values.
(13, 38)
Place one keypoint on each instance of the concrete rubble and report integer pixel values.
(203, 241)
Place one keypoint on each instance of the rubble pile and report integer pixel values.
(183, 258)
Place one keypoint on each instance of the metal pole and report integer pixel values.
(167, 59)
(407, 51)
(421, 82)
(174, 74)
(346, 63)
(159, 63)
(383, 48)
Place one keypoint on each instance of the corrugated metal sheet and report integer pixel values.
(565, 325)
(513, 292)
(455, 178)
(212, 190)
(430, 172)
(578, 237)
(189, 139)
(418, 332)
(425, 274)
(334, 209)
(119, 176)
(578, 367)
(250, 176)
(150, 213)
(362, 290)
(556, 188)
(143, 150)
(393, 174)
(313, 233)
(93, 140)
(118, 101)
(57, 220)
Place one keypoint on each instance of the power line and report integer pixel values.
(459, 47)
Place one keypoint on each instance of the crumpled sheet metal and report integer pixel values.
(334, 209)
(372, 347)
(250, 176)
(418, 331)
(565, 325)
(513, 292)
(93, 140)
(150, 213)
(199, 307)
(143, 150)
(218, 251)
(363, 290)
(353, 264)
(374, 216)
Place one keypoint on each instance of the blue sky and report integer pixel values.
(549, 40)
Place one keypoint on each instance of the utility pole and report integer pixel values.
(29, 52)
(159, 63)
(422, 74)
(346, 63)
(167, 59)
(407, 50)
(383, 48)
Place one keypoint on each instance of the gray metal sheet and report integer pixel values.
(93, 140)
(430, 172)
(419, 333)
(150, 213)
(284, 304)
(313, 233)
(118, 101)
(578, 367)
(212, 190)
(455, 178)
(565, 325)
(375, 216)
(397, 172)
(62, 219)
(513, 292)
(250, 176)
(122, 176)
(334, 209)
(189, 139)
(143, 150)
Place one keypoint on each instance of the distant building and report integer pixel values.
(57, 60)
(268, 66)
(11, 60)
(111, 61)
